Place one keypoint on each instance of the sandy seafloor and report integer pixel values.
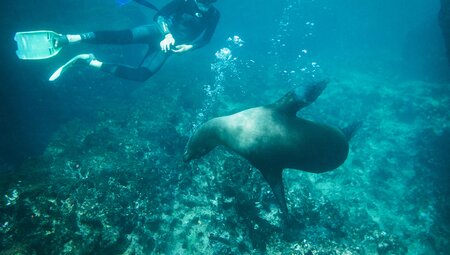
(114, 182)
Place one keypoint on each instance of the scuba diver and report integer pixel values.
(179, 27)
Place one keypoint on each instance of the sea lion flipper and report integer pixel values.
(300, 97)
(275, 179)
(313, 90)
(351, 129)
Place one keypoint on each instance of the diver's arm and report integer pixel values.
(163, 23)
(208, 32)
(168, 40)
(181, 48)
(162, 17)
(204, 39)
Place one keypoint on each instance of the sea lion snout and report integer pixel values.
(192, 154)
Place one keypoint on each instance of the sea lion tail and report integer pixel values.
(350, 130)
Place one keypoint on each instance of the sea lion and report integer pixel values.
(273, 138)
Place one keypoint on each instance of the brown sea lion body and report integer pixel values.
(273, 138)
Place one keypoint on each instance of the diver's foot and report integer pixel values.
(82, 59)
(85, 59)
(60, 41)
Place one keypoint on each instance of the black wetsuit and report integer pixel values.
(186, 23)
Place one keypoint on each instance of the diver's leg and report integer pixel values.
(127, 72)
(147, 34)
(100, 37)
(149, 66)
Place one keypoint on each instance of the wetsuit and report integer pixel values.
(186, 23)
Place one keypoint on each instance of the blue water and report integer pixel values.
(92, 164)
(123, 2)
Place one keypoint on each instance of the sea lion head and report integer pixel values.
(201, 142)
(194, 152)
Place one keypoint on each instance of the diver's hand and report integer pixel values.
(182, 48)
(167, 42)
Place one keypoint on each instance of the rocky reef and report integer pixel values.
(116, 184)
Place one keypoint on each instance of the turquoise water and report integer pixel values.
(92, 164)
